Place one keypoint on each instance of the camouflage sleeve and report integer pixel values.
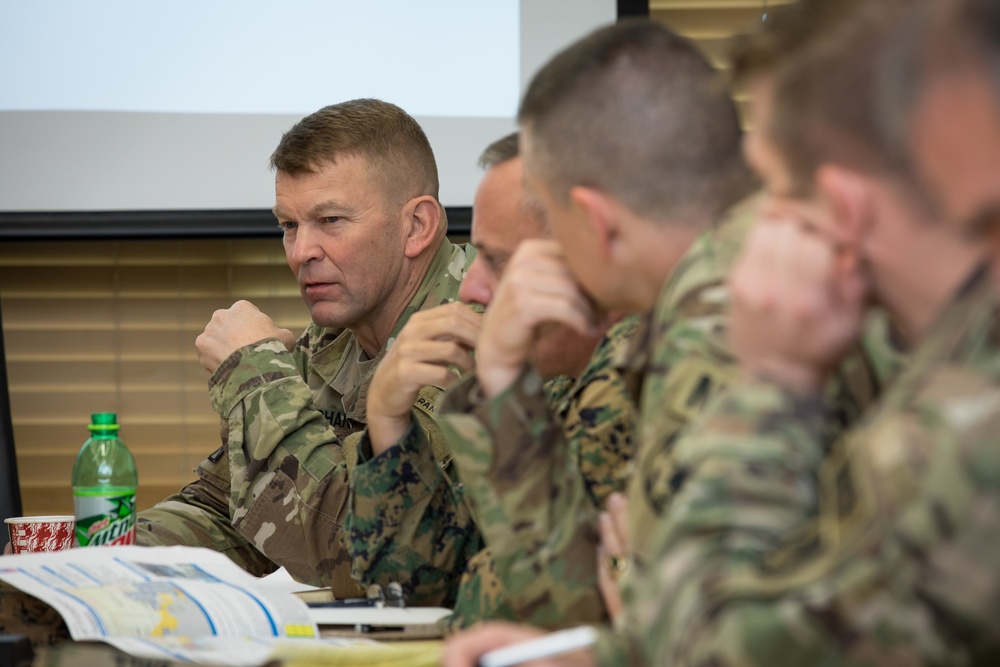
(598, 417)
(899, 566)
(286, 464)
(530, 500)
(745, 478)
(407, 519)
(199, 516)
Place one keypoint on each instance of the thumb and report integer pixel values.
(288, 338)
(851, 290)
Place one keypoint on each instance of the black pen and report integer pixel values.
(345, 602)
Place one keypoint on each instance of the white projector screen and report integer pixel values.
(117, 105)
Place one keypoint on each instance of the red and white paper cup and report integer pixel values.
(30, 534)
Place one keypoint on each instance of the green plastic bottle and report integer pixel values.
(104, 483)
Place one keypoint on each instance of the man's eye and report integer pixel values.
(287, 225)
(496, 264)
(332, 218)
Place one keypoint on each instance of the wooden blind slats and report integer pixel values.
(709, 23)
(713, 24)
(93, 326)
(95, 312)
(143, 253)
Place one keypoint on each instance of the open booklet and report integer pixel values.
(181, 603)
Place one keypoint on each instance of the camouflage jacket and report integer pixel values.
(880, 549)
(533, 508)
(409, 520)
(276, 491)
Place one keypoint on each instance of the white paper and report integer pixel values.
(378, 617)
(281, 580)
(134, 597)
(224, 651)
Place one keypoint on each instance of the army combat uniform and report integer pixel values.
(881, 549)
(275, 493)
(533, 509)
(409, 521)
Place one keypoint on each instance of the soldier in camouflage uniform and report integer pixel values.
(781, 549)
(356, 187)
(511, 457)
(896, 563)
(409, 520)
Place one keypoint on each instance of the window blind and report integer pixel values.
(110, 326)
(713, 24)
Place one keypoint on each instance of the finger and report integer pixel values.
(417, 375)
(465, 648)
(814, 258)
(455, 309)
(447, 327)
(550, 248)
(561, 309)
(747, 279)
(618, 509)
(807, 218)
(610, 593)
(531, 270)
(287, 338)
(810, 279)
(609, 536)
(539, 268)
(780, 258)
(440, 352)
(243, 305)
(851, 287)
(520, 289)
(8, 549)
(604, 579)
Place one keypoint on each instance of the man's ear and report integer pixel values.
(850, 203)
(422, 220)
(599, 211)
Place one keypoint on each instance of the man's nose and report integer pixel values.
(478, 284)
(306, 246)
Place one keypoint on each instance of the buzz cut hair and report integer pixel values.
(823, 59)
(502, 150)
(942, 36)
(979, 22)
(636, 110)
(392, 144)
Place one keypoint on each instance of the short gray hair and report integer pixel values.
(502, 150)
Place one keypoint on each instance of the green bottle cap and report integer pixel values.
(103, 421)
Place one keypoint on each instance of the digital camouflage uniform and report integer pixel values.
(881, 549)
(409, 521)
(533, 509)
(23, 614)
(276, 491)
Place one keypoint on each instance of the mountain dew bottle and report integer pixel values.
(104, 483)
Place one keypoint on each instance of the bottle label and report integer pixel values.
(104, 520)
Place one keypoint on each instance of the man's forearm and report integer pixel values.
(407, 521)
(199, 516)
(531, 503)
(746, 482)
